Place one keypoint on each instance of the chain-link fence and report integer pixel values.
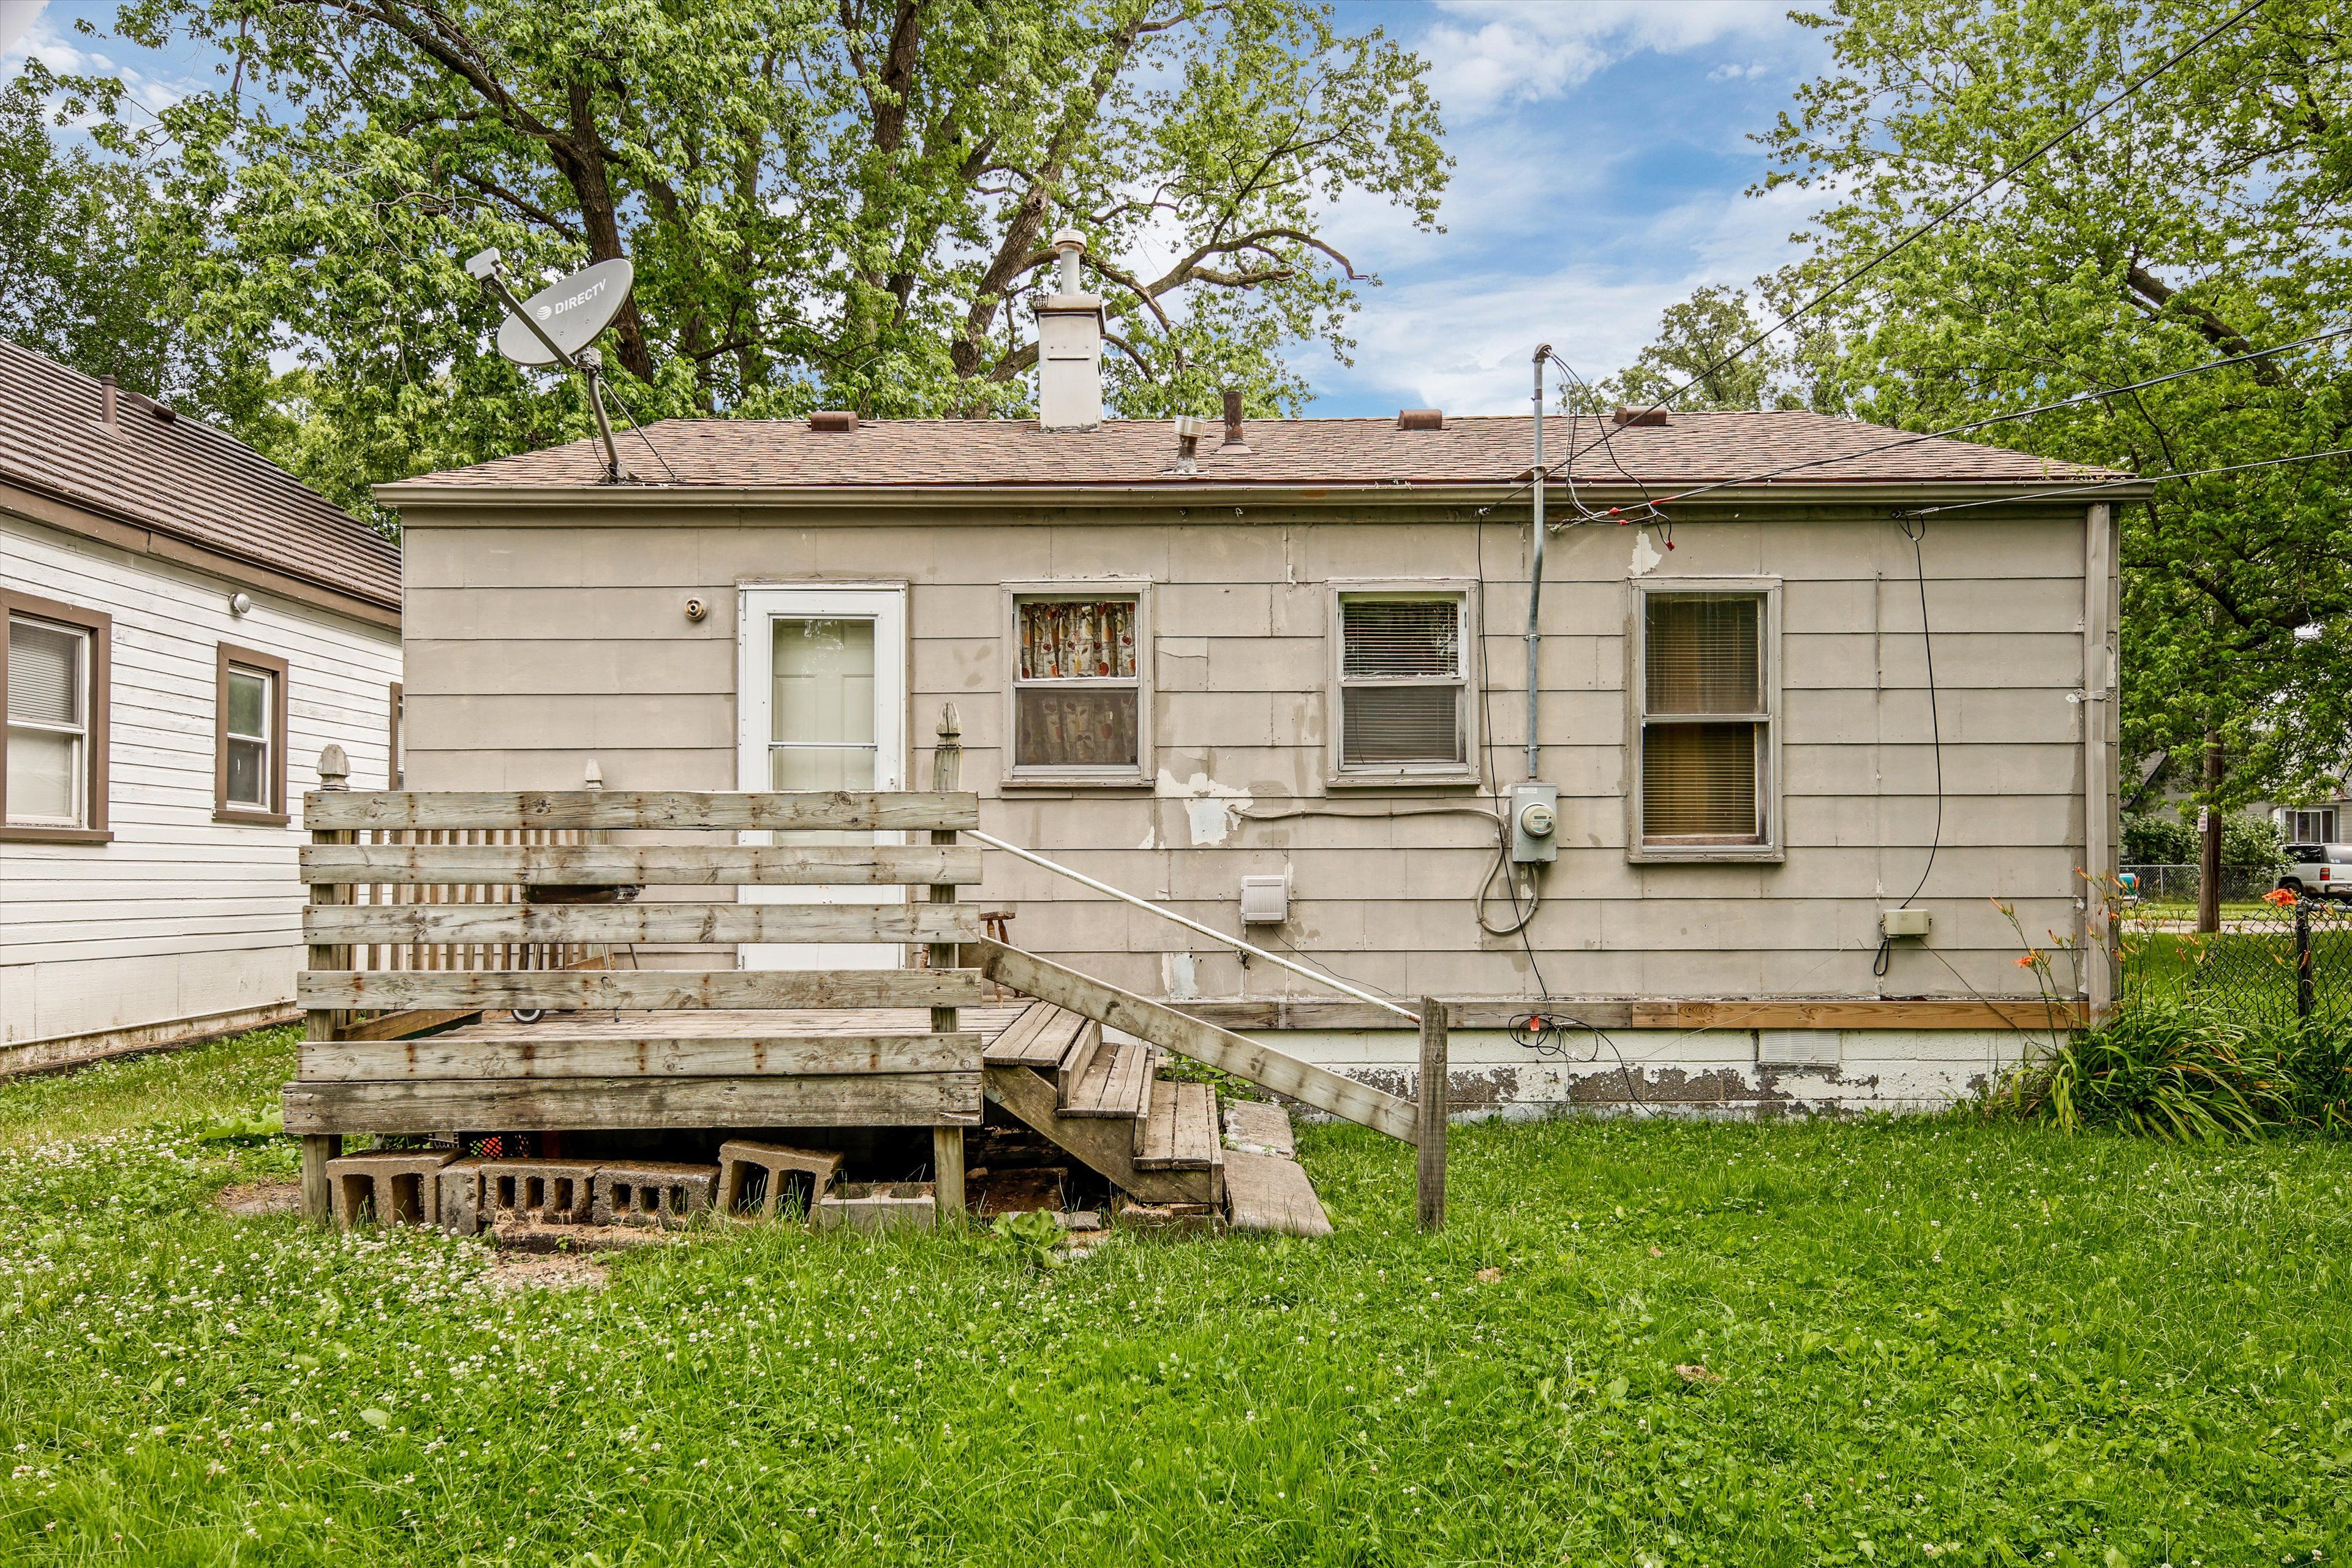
(2153, 884)
(2278, 960)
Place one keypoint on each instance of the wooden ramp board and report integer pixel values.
(1260, 1128)
(1267, 1192)
(1040, 1038)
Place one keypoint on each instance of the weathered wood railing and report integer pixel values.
(680, 1072)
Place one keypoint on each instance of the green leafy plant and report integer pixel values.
(1032, 1233)
(2178, 1073)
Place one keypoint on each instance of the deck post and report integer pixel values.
(1430, 1169)
(322, 1022)
(947, 1142)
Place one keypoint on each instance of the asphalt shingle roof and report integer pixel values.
(1691, 448)
(182, 478)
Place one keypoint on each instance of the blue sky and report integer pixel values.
(1602, 158)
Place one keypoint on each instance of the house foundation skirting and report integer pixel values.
(1727, 1072)
(79, 1050)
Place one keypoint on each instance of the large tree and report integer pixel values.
(2206, 215)
(829, 203)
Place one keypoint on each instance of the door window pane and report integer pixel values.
(820, 721)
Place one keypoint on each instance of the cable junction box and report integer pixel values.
(1905, 922)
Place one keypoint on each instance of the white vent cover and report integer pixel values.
(1266, 901)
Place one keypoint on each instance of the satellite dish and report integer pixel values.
(571, 311)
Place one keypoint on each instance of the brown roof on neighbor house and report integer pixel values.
(1689, 449)
(180, 477)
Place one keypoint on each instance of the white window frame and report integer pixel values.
(1140, 775)
(85, 641)
(2295, 814)
(1771, 846)
(269, 742)
(1470, 769)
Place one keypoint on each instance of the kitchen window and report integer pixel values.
(55, 660)
(1705, 691)
(249, 738)
(1403, 685)
(1081, 697)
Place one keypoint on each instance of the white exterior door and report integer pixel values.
(822, 678)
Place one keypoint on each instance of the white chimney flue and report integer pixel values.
(1069, 345)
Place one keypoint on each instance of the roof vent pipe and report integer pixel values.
(1234, 444)
(1188, 445)
(1069, 345)
(106, 402)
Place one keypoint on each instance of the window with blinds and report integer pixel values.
(1705, 718)
(1404, 684)
(1077, 688)
(49, 724)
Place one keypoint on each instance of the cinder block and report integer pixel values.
(460, 1184)
(751, 1173)
(400, 1188)
(878, 1205)
(550, 1192)
(652, 1193)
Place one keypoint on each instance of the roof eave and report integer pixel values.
(410, 495)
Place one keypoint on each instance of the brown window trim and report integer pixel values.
(275, 668)
(100, 628)
(391, 768)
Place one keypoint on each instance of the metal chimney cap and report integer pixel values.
(1067, 239)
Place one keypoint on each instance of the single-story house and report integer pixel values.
(187, 626)
(1293, 653)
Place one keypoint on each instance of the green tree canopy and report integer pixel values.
(2205, 215)
(829, 203)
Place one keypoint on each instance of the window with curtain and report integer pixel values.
(1078, 689)
(49, 724)
(1705, 718)
(1404, 684)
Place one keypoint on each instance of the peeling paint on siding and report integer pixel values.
(1212, 809)
(1645, 559)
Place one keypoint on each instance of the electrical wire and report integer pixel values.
(639, 426)
(1951, 208)
(1916, 531)
(2124, 483)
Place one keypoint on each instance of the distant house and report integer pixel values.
(1296, 654)
(187, 626)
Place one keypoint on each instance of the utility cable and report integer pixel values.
(2124, 483)
(1916, 531)
(1950, 209)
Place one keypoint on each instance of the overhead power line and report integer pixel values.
(2119, 484)
(1945, 212)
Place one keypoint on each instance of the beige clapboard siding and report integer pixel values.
(178, 917)
(858, 1099)
(1240, 657)
(551, 1051)
(637, 990)
(605, 864)
(840, 810)
(665, 924)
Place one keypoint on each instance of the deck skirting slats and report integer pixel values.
(825, 810)
(553, 1104)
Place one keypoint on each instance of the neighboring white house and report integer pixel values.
(186, 627)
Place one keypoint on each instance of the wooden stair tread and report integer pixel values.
(1180, 1131)
(1019, 1044)
(1267, 1192)
(1118, 1082)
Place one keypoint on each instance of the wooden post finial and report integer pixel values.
(593, 775)
(334, 768)
(946, 759)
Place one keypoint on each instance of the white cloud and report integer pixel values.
(1489, 55)
(31, 29)
(17, 18)
(1733, 71)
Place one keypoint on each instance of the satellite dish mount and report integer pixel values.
(559, 325)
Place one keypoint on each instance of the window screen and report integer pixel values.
(1705, 723)
(47, 723)
(1078, 698)
(1401, 683)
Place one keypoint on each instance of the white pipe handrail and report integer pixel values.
(1167, 915)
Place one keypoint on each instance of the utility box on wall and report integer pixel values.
(1535, 822)
(1266, 901)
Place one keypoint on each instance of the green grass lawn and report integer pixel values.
(1936, 1340)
